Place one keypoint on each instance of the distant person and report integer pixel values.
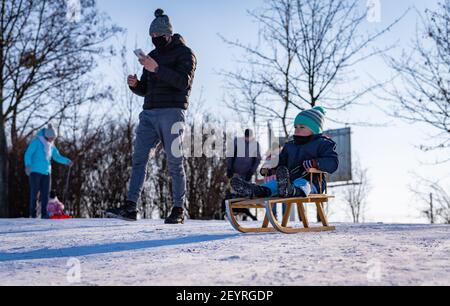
(166, 84)
(244, 166)
(309, 149)
(38, 157)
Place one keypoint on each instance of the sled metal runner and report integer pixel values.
(271, 224)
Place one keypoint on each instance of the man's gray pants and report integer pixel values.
(155, 126)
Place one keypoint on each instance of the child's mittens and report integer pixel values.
(310, 164)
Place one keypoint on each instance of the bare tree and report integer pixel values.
(306, 53)
(272, 70)
(243, 97)
(442, 198)
(99, 177)
(45, 64)
(355, 195)
(424, 75)
(430, 211)
(102, 153)
(437, 200)
(206, 174)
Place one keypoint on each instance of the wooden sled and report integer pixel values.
(270, 219)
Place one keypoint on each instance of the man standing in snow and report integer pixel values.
(166, 84)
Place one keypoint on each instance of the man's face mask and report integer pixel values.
(160, 41)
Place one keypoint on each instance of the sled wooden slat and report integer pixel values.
(240, 205)
(322, 215)
(302, 214)
(286, 215)
(232, 219)
(270, 219)
(266, 222)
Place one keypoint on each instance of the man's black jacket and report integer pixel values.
(171, 85)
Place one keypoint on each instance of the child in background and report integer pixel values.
(55, 208)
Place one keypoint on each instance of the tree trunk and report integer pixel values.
(3, 171)
(3, 144)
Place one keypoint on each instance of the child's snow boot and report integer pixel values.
(249, 190)
(285, 188)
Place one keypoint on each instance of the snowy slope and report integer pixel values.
(110, 252)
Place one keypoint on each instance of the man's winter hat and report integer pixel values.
(313, 118)
(50, 132)
(161, 24)
(248, 133)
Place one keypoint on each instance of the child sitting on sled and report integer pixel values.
(55, 208)
(309, 149)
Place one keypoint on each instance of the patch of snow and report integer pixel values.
(202, 253)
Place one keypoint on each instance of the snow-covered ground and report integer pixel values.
(111, 252)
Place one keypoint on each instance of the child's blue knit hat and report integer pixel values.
(313, 118)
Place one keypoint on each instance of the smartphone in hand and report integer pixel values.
(139, 53)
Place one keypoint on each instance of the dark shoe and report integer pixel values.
(176, 217)
(285, 187)
(241, 187)
(127, 212)
(249, 214)
(249, 190)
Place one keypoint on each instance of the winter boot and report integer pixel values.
(176, 217)
(285, 188)
(249, 190)
(127, 212)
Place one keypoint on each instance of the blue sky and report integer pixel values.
(388, 152)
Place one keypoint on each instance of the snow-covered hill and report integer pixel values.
(110, 252)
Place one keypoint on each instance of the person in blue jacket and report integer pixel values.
(38, 157)
(309, 149)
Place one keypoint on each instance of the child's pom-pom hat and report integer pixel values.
(313, 118)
